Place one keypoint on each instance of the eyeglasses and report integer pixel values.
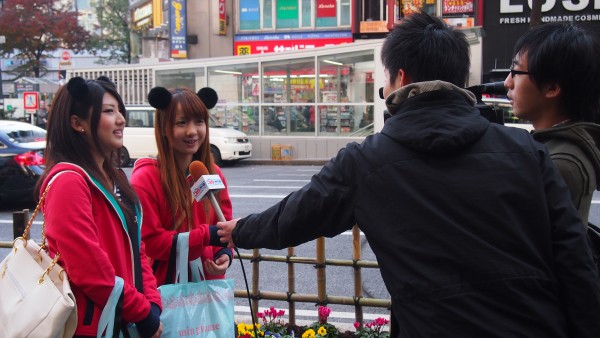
(514, 72)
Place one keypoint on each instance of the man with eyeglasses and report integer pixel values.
(554, 83)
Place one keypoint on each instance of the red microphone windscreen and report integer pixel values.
(198, 169)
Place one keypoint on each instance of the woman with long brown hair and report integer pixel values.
(91, 212)
(163, 184)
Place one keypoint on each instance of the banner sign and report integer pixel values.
(246, 44)
(222, 18)
(178, 25)
(287, 14)
(415, 6)
(249, 15)
(326, 8)
(518, 11)
(458, 7)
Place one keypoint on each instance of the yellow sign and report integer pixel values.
(373, 27)
(244, 50)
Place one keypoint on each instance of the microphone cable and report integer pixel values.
(252, 315)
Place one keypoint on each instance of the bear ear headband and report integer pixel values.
(77, 88)
(160, 97)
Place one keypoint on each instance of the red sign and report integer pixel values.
(458, 7)
(326, 8)
(30, 100)
(259, 47)
(222, 18)
(65, 55)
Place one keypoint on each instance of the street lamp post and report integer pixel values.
(2, 41)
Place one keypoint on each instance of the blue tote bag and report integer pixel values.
(196, 308)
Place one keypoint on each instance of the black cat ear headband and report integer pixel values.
(160, 97)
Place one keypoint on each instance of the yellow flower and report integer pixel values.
(310, 333)
(322, 331)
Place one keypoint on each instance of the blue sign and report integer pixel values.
(178, 25)
(293, 36)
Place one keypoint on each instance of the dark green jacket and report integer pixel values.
(573, 148)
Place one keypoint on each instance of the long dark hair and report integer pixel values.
(83, 98)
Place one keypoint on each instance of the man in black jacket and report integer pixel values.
(471, 223)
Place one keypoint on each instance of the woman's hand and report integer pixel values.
(159, 331)
(217, 267)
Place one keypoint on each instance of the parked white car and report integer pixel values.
(226, 144)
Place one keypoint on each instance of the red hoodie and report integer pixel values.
(157, 228)
(85, 228)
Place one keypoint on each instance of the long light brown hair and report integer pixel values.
(174, 181)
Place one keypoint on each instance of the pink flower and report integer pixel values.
(323, 314)
(356, 325)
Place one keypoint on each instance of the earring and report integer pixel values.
(82, 130)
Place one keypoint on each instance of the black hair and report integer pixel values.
(567, 55)
(427, 49)
(83, 98)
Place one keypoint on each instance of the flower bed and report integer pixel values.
(273, 327)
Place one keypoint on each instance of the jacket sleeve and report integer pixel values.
(577, 184)
(78, 243)
(577, 275)
(323, 207)
(150, 285)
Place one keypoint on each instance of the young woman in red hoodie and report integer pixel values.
(163, 184)
(91, 212)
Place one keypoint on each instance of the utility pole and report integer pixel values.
(2, 41)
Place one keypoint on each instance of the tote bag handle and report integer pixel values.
(181, 263)
(107, 318)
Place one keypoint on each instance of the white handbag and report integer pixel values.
(35, 295)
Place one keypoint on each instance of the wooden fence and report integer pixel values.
(320, 262)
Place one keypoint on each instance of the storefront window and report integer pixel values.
(345, 81)
(235, 83)
(289, 81)
(267, 14)
(290, 120)
(345, 13)
(192, 78)
(242, 118)
(306, 13)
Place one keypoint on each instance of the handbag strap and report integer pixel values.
(27, 231)
(109, 313)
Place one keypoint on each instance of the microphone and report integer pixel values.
(204, 185)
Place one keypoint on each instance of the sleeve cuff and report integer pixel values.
(227, 252)
(214, 238)
(148, 326)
